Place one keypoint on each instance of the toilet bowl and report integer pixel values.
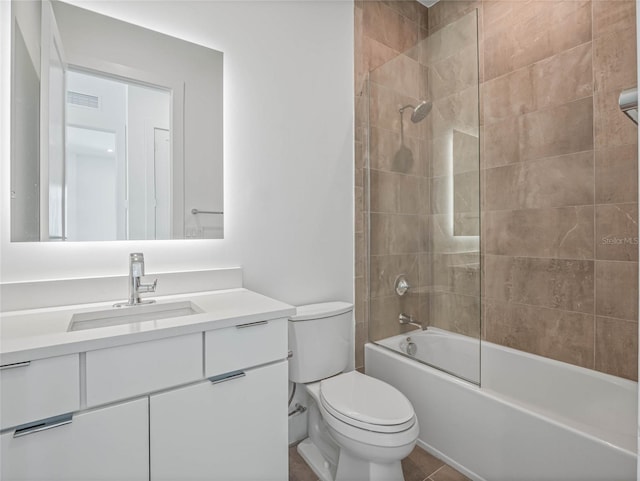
(360, 428)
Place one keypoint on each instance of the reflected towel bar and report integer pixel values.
(628, 102)
(196, 211)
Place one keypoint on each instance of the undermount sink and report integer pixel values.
(131, 314)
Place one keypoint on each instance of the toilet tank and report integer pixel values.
(319, 338)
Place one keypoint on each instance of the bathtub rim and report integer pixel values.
(626, 383)
(502, 399)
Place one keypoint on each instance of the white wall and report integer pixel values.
(288, 100)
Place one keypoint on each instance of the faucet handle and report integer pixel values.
(148, 287)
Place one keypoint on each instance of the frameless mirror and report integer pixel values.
(116, 130)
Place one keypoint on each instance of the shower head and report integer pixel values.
(419, 112)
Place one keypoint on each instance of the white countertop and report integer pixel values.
(40, 333)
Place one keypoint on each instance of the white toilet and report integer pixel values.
(360, 428)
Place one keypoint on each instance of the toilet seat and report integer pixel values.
(366, 403)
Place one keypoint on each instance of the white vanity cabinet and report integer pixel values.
(233, 427)
(200, 397)
(105, 444)
(33, 390)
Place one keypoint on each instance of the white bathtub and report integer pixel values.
(533, 419)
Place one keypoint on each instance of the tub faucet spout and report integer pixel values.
(404, 319)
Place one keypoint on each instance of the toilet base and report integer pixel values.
(313, 457)
(351, 468)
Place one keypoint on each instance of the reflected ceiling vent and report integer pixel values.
(628, 101)
(83, 100)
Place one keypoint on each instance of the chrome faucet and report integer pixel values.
(136, 287)
(404, 319)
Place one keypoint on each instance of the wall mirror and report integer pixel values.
(116, 130)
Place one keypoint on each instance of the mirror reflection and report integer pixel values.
(116, 130)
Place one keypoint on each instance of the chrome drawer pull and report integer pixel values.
(230, 376)
(251, 324)
(17, 364)
(44, 425)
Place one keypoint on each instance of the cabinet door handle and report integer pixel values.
(17, 364)
(230, 376)
(251, 324)
(44, 425)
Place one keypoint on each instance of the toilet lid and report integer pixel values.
(366, 402)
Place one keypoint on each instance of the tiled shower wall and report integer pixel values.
(559, 170)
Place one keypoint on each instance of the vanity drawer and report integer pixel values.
(245, 346)
(40, 389)
(127, 371)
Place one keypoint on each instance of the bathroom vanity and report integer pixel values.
(192, 389)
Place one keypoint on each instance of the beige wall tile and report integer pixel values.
(614, 66)
(386, 268)
(563, 232)
(552, 182)
(388, 27)
(611, 126)
(383, 317)
(375, 53)
(445, 12)
(617, 289)
(501, 144)
(394, 234)
(438, 236)
(561, 335)
(466, 152)
(617, 347)
(560, 26)
(453, 312)
(466, 224)
(610, 16)
(441, 195)
(617, 174)
(439, 155)
(454, 73)
(456, 273)
(500, 16)
(401, 74)
(455, 112)
(425, 195)
(617, 232)
(360, 254)
(389, 153)
(556, 131)
(564, 77)
(409, 9)
(553, 283)
(465, 277)
(359, 208)
(385, 111)
(466, 193)
(359, 160)
(397, 193)
(508, 96)
(452, 38)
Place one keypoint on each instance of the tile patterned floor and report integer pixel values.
(419, 466)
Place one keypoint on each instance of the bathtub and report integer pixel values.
(533, 419)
